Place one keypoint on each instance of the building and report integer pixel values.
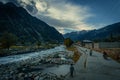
(87, 43)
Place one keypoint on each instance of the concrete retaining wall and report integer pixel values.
(102, 45)
(109, 45)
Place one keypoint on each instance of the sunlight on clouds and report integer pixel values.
(67, 15)
(61, 30)
(77, 28)
(25, 2)
(76, 15)
(41, 6)
(68, 12)
(85, 27)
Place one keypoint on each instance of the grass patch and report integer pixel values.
(19, 47)
(76, 55)
(114, 53)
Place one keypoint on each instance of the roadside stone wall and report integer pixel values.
(109, 45)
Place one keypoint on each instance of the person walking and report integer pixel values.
(91, 52)
(105, 55)
(71, 70)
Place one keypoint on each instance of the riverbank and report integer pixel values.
(16, 50)
(37, 65)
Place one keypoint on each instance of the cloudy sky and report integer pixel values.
(73, 15)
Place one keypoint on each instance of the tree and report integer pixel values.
(22, 40)
(38, 43)
(68, 42)
(7, 40)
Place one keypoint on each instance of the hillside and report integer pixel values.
(17, 20)
(102, 33)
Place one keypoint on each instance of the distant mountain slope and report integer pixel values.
(18, 21)
(102, 33)
(75, 35)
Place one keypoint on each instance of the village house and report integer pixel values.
(87, 44)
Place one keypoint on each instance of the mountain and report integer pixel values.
(102, 33)
(17, 20)
(75, 35)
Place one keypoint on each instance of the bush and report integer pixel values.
(68, 42)
(7, 40)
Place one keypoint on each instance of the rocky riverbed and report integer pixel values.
(36, 66)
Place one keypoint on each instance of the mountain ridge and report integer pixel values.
(101, 33)
(18, 21)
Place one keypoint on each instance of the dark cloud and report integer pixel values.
(13, 1)
(56, 22)
(29, 7)
(32, 9)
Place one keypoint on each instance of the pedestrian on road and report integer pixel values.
(71, 70)
(91, 52)
(105, 55)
